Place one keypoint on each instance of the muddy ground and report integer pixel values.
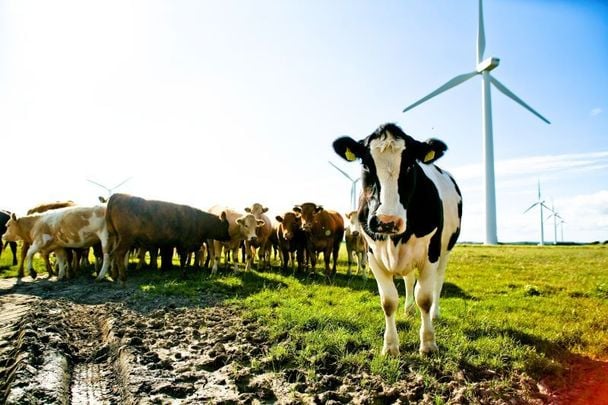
(81, 342)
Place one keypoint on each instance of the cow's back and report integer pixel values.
(150, 222)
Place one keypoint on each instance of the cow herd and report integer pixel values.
(407, 222)
(127, 224)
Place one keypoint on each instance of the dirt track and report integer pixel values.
(81, 342)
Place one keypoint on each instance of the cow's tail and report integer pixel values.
(112, 233)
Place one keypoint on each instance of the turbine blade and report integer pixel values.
(511, 95)
(97, 184)
(448, 85)
(530, 207)
(481, 36)
(341, 171)
(545, 205)
(121, 183)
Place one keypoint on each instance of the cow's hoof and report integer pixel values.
(33, 274)
(392, 351)
(428, 348)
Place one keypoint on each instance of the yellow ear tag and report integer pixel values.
(349, 155)
(429, 156)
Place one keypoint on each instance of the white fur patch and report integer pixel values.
(387, 158)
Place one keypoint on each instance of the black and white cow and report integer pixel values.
(410, 213)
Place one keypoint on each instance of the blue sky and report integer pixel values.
(235, 102)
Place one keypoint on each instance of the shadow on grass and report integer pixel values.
(147, 289)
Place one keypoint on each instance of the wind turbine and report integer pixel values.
(110, 190)
(483, 68)
(541, 204)
(555, 217)
(353, 188)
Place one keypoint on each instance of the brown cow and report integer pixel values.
(291, 240)
(324, 230)
(355, 243)
(262, 240)
(137, 222)
(242, 227)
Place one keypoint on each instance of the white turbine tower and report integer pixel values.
(555, 217)
(483, 68)
(541, 204)
(353, 187)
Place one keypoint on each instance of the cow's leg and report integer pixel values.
(62, 263)
(425, 291)
(249, 255)
(435, 309)
(361, 264)
(28, 259)
(13, 247)
(215, 252)
(24, 249)
(235, 254)
(349, 256)
(326, 259)
(105, 263)
(284, 258)
(409, 281)
(389, 299)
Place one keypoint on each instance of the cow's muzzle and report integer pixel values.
(388, 224)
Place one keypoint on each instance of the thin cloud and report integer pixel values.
(537, 164)
(596, 111)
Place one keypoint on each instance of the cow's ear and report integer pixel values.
(247, 209)
(348, 149)
(279, 218)
(319, 208)
(430, 150)
(240, 221)
(297, 208)
(223, 216)
(265, 209)
(13, 216)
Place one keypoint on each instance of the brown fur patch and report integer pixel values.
(424, 303)
(389, 307)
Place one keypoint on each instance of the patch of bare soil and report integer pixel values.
(81, 342)
(584, 382)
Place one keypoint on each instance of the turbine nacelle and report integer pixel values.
(487, 64)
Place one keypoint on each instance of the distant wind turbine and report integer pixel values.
(483, 68)
(110, 190)
(541, 204)
(353, 188)
(555, 217)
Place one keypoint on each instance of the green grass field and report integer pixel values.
(506, 311)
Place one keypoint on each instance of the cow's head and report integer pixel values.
(247, 226)
(256, 209)
(13, 231)
(353, 226)
(290, 223)
(307, 213)
(389, 158)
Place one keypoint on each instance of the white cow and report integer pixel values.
(56, 230)
(410, 211)
(241, 227)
